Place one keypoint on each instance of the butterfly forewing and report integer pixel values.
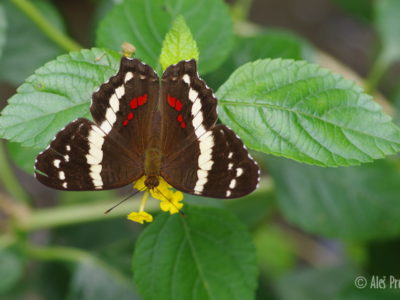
(124, 106)
(199, 157)
(108, 153)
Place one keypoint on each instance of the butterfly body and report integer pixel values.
(146, 126)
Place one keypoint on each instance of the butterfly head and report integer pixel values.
(151, 182)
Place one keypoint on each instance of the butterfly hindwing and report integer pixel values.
(226, 169)
(77, 160)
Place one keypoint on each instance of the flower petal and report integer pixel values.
(140, 217)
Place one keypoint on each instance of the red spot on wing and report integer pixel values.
(180, 118)
(141, 100)
(125, 122)
(178, 105)
(130, 116)
(171, 101)
(134, 103)
(183, 125)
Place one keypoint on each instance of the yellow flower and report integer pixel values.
(173, 207)
(140, 217)
(170, 200)
(139, 184)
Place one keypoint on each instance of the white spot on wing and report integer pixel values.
(232, 184)
(230, 166)
(128, 76)
(198, 120)
(61, 175)
(202, 181)
(193, 95)
(114, 103)
(56, 163)
(96, 153)
(186, 78)
(228, 193)
(206, 143)
(199, 131)
(120, 91)
(105, 126)
(65, 185)
(204, 160)
(239, 171)
(196, 107)
(110, 116)
(96, 140)
(95, 176)
(98, 131)
(208, 165)
(95, 169)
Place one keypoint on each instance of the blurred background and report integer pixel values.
(315, 229)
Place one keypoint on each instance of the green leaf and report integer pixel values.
(56, 94)
(178, 44)
(19, 58)
(359, 203)
(272, 43)
(387, 23)
(11, 269)
(145, 24)
(93, 282)
(3, 26)
(301, 111)
(23, 157)
(207, 255)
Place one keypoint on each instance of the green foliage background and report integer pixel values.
(299, 119)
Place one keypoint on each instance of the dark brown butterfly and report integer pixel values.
(147, 126)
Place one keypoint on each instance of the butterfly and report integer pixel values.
(146, 126)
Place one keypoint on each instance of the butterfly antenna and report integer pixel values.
(180, 211)
(122, 201)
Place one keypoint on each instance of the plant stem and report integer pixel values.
(376, 73)
(45, 26)
(59, 253)
(69, 215)
(9, 180)
(241, 10)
